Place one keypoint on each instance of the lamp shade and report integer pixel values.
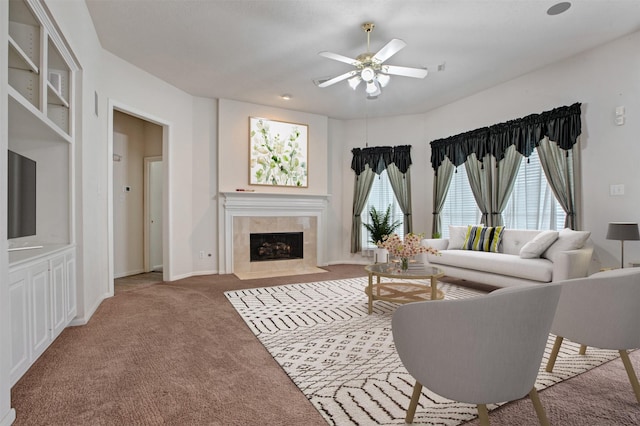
(623, 231)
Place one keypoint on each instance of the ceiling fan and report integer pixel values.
(370, 67)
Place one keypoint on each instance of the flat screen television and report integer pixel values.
(21, 201)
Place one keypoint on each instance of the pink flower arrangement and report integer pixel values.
(407, 248)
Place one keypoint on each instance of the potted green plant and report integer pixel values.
(381, 225)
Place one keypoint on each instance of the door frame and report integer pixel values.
(166, 196)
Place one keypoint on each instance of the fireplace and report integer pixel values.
(247, 213)
(276, 246)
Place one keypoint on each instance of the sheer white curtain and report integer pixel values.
(381, 196)
(532, 204)
(460, 206)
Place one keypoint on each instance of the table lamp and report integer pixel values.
(623, 231)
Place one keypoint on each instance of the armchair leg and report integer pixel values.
(483, 415)
(411, 411)
(554, 354)
(542, 415)
(631, 373)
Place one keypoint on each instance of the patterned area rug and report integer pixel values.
(345, 362)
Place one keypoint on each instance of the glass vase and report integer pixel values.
(404, 263)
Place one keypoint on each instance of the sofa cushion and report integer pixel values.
(538, 245)
(497, 263)
(457, 235)
(482, 238)
(514, 239)
(568, 239)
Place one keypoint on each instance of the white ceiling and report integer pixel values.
(255, 51)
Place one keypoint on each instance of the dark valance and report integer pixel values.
(561, 125)
(379, 157)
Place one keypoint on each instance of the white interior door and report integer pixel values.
(153, 213)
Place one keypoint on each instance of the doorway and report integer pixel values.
(137, 190)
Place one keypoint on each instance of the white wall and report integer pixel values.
(203, 235)
(233, 146)
(600, 79)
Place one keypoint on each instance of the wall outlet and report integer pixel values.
(201, 254)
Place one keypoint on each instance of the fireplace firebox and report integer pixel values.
(276, 246)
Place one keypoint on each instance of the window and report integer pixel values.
(381, 196)
(531, 205)
(460, 206)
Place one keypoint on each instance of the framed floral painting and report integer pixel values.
(278, 153)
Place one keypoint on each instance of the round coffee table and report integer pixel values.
(402, 292)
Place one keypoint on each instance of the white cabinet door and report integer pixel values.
(39, 312)
(58, 296)
(72, 306)
(19, 306)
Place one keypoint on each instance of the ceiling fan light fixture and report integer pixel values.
(372, 88)
(367, 74)
(383, 79)
(354, 82)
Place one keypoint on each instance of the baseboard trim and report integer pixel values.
(128, 273)
(83, 320)
(192, 274)
(198, 273)
(8, 418)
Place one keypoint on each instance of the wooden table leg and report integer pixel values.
(434, 288)
(370, 293)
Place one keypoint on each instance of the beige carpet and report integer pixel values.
(179, 354)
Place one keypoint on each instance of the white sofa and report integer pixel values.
(569, 255)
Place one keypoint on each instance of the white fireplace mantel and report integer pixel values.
(254, 204)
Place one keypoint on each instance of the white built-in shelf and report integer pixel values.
(19, 59)
(54, 97)
(21, 257)
(25, 127)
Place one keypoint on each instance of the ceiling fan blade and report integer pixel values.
(388, 50)
(405, 71)
(340, 58)
(339, 78)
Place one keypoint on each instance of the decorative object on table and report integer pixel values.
(278, 153)
(380, 226)
(623, 231)
(405, 250)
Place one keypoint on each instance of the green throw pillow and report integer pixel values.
(481, 238)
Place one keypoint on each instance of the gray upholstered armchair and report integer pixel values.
(482, 350)
(602, 311)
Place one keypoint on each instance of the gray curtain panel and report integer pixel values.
(401, 184)
(441, 183)
(480, 183)
(557, 165)
(362, 187)
(505, 178)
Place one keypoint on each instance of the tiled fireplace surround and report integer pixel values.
(250, 212)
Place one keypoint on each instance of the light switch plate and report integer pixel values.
(616, 189)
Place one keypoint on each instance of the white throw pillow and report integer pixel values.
(457, 234)
(534, 248)
(568, 239)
